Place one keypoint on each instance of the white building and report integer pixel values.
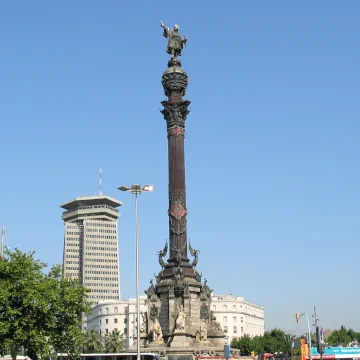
(119, 315)
(91, 249)
(236, 316)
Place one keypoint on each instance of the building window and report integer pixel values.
(116, 310)
(225, 329)
(242, 319)
(234, 307)
(235, 330)
(125, 331)
(225, 307)
(225, 318)
(106, 330)
(242, 330)
(115, 321)
(234, 319)
(125, 321)
(106, 321)
(106, 310)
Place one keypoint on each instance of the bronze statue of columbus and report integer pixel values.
(175, 42)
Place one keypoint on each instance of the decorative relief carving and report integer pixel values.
(177, 227)
(204, 312)
(176, 131)
(205, 293)
(178, 284)
(151, 292)
(178, 254)
(180, 319)
(174, 81)
(144, 325)
(177, 211)
(203, 331)
(154, 312)
(156, 332)
(177, 196)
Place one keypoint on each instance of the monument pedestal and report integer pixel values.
(179, 340)
(189, 353)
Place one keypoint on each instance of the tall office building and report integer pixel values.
(91, 250)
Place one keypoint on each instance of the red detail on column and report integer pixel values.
(176, 131)
(178, 211)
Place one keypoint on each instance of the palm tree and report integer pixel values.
(114, 342)
(93, 342)
(287, 342)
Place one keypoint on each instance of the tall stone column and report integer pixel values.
(175, 81)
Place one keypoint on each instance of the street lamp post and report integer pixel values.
(297, 319)
(137, 189)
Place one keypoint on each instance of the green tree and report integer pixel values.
(258, 344)
(270, 342)
(114, 342)
(354, 335)
(244, 344)
(287, 342)
(39, 312)
(340, 337)
(66, 334)
(93, 342)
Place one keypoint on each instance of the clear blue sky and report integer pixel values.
(272, 146)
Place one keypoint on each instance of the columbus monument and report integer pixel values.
(179, 321)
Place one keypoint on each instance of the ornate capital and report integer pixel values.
(176, 131)
(174, 82)
(175, 114)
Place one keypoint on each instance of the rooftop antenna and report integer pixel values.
(100, 192)
(2, 242)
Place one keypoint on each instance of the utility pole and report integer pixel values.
(318, 337)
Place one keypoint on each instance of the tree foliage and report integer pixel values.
(112, 342)
(93, 342)
(343, 337)
(39, 312)
(274, 341)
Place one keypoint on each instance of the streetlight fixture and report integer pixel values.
(297, 317)
(137, 189)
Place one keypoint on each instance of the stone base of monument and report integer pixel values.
(155, 345)
(190, 352)
(179, 339)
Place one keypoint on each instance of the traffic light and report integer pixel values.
(297, 317)
(319, 340)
